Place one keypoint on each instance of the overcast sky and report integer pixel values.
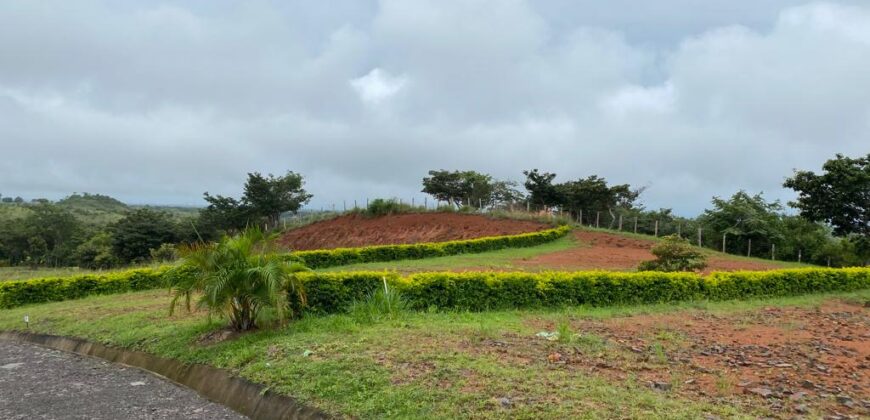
(159, 102)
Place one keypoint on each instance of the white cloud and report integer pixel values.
(156, 103)
(377, 86)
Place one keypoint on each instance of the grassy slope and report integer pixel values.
(24, 273)
(494, 260)
(504, 259)
(422, 366)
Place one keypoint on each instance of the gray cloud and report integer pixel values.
(158, 103)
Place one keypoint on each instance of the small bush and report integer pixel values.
(381, 207)
(380, 304)
(165, 253)
(674, 253)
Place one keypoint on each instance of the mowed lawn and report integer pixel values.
(430, 365)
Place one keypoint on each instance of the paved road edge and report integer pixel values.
(216, 385)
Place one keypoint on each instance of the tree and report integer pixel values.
(264, 199)
(96, 252)
(460, 187)
(541, 189)
(593, 194)
(139, 231)
(839, 196)
(239, 278)
(269, 196)
(505, 193)
(52, 234)
(745, 217)
(674, 254)
(224, 213)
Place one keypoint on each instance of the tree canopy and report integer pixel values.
(840, 195)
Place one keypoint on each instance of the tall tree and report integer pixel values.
(460, 187)
(541, 189)
(269, 196)
(840, 195)
(745, 217)
(139, 231)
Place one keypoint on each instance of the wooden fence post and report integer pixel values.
(656, 234)
(597, 219)
(773, 251)
(620, 223)
(699, 236)
(635, 224)
(749, 248)
(581, 217)
(723, 242)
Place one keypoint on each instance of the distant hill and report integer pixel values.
(92, 209)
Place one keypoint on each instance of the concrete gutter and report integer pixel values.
(216, 385)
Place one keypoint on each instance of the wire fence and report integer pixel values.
(655, 224)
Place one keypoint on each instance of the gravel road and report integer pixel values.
(40, 383)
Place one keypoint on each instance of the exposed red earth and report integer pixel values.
(795, 361)
(605, 251)
(356, 230)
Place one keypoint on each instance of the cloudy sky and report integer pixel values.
(158, 102)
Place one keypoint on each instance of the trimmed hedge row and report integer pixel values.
(333, 292)
(380, 253)
(50, 289)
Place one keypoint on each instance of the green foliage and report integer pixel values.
(480, 291)
(264, 200)
(744, 217)
(238, 278)
(164, 253)
(382, 207)
(470, 188)
(674, 254)
(139, 231)
(96, 252)
(345, 256)
(839, 196)
(23, 292)
(383, 303)
(587, 195)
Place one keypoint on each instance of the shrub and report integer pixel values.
(382, 207)
(334, 292)
(674, 253)
(165, 253)
(381, 303)
(22, 292)
(238, 278)
(345, 256)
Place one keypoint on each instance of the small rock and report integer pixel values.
(845, 400)
(138, 383)
(505, 402)
(807, 384)
(689, 381)
(802, 408)
(797, 396)
(554, 357)
(761, 392)
(660, 386)
(11, 366)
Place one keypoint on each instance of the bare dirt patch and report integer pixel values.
(355, 230)
(791, 361)
(605, 251)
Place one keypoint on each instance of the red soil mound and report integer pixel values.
(355, 230)
(606, 251)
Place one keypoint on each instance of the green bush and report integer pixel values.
(345, 256)
(334, 292)
(381, 207)
(22, 292)
(674, 253)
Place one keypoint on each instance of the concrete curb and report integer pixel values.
(216, 385)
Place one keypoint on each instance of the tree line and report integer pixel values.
(831, 225)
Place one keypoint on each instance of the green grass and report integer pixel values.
(494, 260)
(422, 365)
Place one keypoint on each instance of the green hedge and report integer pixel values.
(344, 256)
(333, 292)
(22, 292)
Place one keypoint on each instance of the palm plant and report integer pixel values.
(239, 278)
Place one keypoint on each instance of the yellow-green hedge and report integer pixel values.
(477, 291)
(344, 256)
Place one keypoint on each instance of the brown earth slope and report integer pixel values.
(355, 230)
(605, 251)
